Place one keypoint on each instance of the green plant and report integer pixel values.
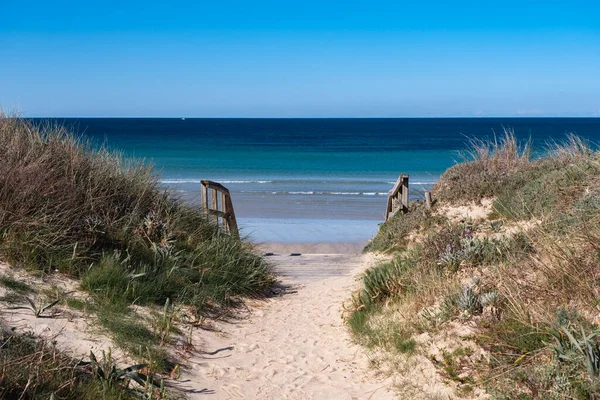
(110, 376)
(131, 333)
(164, 323)
(402, 343)
(549, 189)
(483, 172)
(77, 207)
(393, 234)
(496, 225)
(586, 347)
(451, 365)
(38, 308)
(31, 368)
(471, 299)
(450, 259)
(468, 300)
(384, 280)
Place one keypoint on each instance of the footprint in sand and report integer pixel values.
(301, 348)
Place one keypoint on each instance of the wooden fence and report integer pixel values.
(220, 207)
(398, 197)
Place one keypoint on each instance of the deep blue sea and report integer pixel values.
(311, 180)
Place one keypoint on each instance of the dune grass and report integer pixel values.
(531, 293)
(68, 205)
(31, 368)
(88, 212)
(485, 166)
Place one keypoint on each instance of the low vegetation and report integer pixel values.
(520, 283)
(33, 368)
(69, 206)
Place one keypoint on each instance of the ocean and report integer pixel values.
(311, 180)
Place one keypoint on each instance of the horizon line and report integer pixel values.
(329, 117)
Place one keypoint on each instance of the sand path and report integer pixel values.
(294, 346)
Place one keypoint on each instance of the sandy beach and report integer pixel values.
(285, 248)
(292, 346)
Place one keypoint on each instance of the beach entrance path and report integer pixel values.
(291, 346)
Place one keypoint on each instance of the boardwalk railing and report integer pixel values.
(398, 197)
(216, 202)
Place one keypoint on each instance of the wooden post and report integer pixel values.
(389, 208)
(404, 192)
(232, 222)
(428, 200)
(214, 205)
(225, 218)
(204, 194)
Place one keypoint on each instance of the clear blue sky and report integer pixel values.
(304, 58)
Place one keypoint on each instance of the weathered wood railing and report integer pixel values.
(221, 206)
(398, 197)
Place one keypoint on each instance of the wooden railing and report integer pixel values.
(398, 197)
(221, 206)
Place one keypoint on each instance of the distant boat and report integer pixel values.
(183, 118)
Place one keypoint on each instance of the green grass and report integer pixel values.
(31, 368)
(512, 338)
(93, 214)
(452, 368)
(541, 195)
(485, 166)
(131, 334)
(76, 304)
(71, 206)
(391, 337)
(76, 207)
(393, 234)
(403, 343)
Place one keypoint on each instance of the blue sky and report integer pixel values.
(300, 58)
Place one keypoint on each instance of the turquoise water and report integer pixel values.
(311, 180)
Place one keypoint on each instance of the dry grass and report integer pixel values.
(90, 213)
(486, 165)
(67, 206)
(31, 368)
(500, 155)
(531, 294)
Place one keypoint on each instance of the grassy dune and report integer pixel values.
(91, 214)
(523, 280)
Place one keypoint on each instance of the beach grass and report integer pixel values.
(76, 207)
(32, 368)
(86, 211)
(521, 279)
